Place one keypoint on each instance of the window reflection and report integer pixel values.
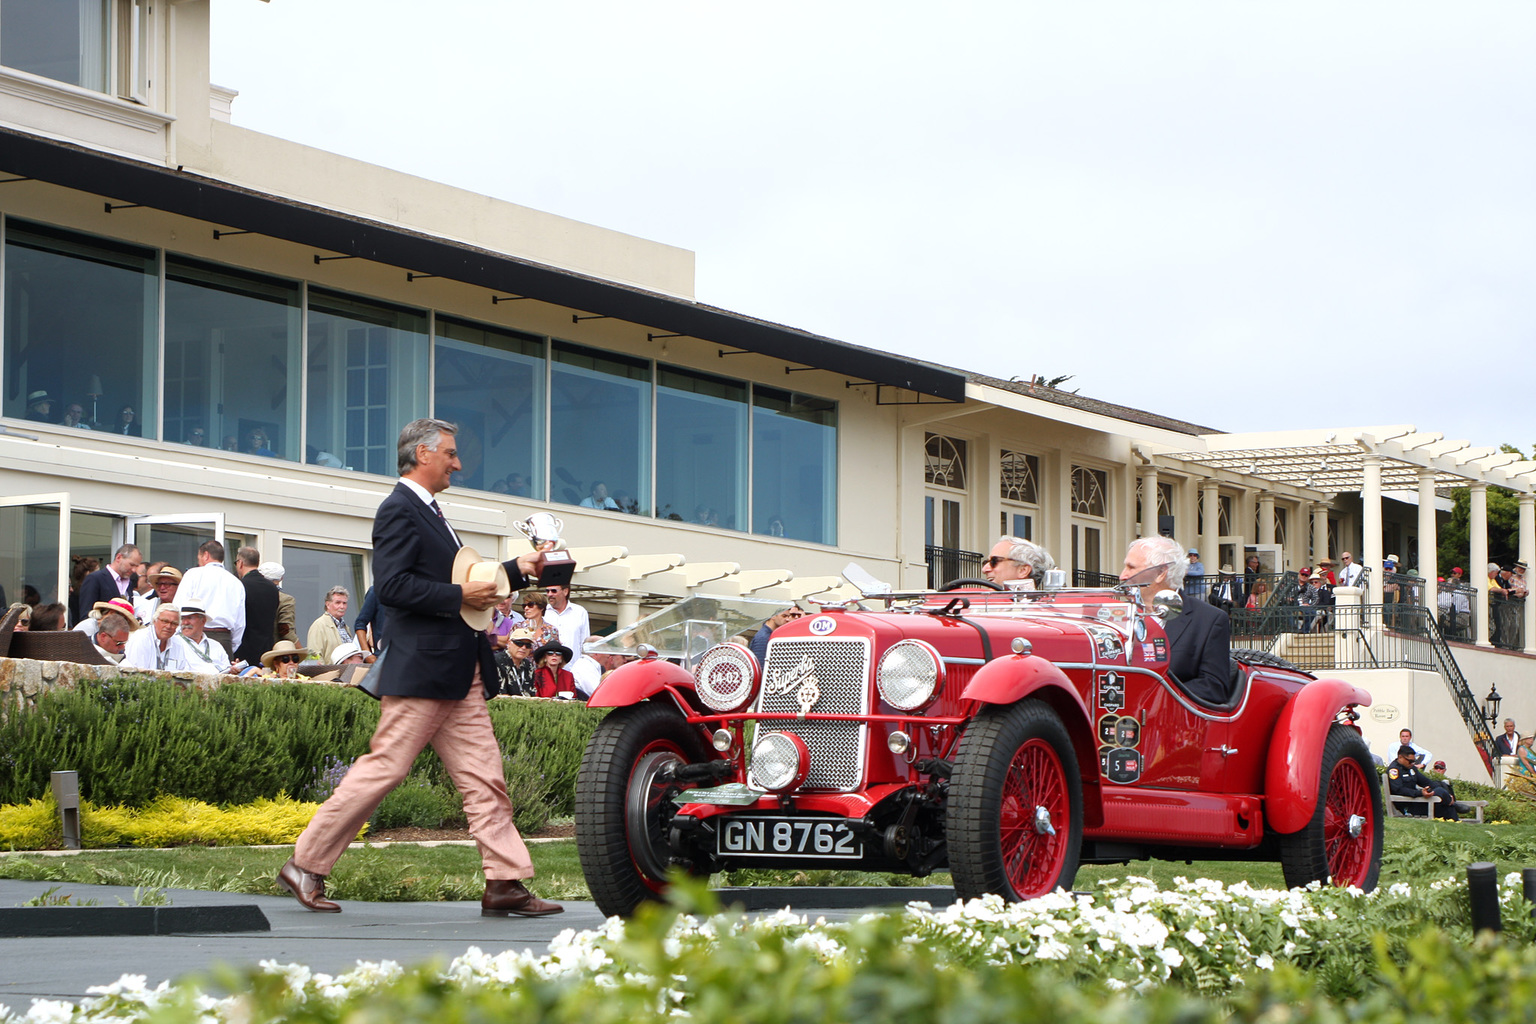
(311, 570)
(367, 379)
(794, 466)
(701, 449)
(231, 359)
(80, 325)
(600, 428)
(491, 383)
(65, 40)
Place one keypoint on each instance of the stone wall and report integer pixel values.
(21, 680)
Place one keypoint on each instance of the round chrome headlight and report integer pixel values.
(780, 761)
(726, 677)
(910, 675)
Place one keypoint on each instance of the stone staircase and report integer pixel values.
(1311, 651)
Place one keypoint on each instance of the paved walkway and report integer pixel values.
(409, 933)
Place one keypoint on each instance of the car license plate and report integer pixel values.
(788, 837)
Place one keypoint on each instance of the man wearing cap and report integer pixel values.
(217, 591)
(431, 685)
(287, 627)
(115, 579)
(1194, 574)
(161, 647)
(207, 656)
(261, 599)
(163, 584)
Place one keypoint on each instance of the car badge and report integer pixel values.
(821, 625)
(800, 680)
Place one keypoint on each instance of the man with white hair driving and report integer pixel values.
(1014, 558)
(1200, 638)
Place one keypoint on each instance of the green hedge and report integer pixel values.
(133, 740)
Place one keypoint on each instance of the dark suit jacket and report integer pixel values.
(431, 651)
(1503, 747)
(1200, 652)
(98, 586)
(261, 596)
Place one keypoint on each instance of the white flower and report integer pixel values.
(1265, 962)
(1171, 956)
(1195, 936)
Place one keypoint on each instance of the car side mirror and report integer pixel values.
(1167, 605)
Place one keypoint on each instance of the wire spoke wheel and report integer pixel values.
(1015, 815)
(1342, 842)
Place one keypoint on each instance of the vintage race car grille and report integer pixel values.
(838, 672)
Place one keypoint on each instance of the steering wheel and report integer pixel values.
(969, 581)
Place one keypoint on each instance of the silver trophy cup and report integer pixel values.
(541, 528)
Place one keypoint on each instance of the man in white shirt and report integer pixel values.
(574, 626)
(1420, 754)
(206, 656)
(160, 648)
(1349, 571)
(217, 591)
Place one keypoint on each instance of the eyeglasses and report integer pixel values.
(995, 560)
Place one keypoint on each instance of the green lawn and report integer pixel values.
(1415, 850)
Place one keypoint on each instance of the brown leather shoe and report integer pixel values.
(506, 896)
(308, 889)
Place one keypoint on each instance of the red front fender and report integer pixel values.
(1296, 750)
(639, 680)
(1014, 677)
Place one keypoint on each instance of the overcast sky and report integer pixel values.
(1252, 216)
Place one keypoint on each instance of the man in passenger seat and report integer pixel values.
(1199, 639)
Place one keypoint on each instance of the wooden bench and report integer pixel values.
(1394, 810)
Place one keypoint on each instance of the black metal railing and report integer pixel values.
(1456, 611)
(1506, 622)
(1084, 578)
(1377, 636)
(945, 564)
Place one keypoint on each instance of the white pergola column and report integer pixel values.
(1319, 512)
(1148, 524)
(1267, 521)
(1477, 527)
(1370, 516)
(628, 610)
(1210, 508)
(1528, 556)
(1429, 536)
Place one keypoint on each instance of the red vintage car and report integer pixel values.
(1007, 736)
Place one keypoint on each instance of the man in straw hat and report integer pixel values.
(431, 683)
(207, 656)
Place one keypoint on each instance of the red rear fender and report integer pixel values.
(1296, 750)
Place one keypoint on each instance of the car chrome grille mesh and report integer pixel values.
(840, 670)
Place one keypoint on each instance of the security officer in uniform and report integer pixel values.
(1405, 779)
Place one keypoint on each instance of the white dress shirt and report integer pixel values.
(573, 624)
(1349, 575)
(205, 656)
(143, 651)
(427, 500)
(220, 593)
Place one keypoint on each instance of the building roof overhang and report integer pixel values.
(230, 206)
(1334, 460)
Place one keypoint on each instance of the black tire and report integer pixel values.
(967, 582)
(1252, 656)
(1326, 849)
(623, 815)
(1013, 762)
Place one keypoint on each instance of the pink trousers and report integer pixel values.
(460, 732)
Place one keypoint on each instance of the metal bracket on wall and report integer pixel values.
(880, 398)
(120, 206)
(577, 318)
(507, 298)
(416, 277)
(323, 259)
(217, 234)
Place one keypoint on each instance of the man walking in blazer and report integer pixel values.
(431, 688)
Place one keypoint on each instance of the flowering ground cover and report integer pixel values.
(1192, 951)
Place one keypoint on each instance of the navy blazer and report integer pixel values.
(1200, 652)
(431, 650)
(100, 586)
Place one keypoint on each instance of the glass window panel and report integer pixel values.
(29, 553)
(366, 359)
(310, 570)
(65, 40)
(600, 427)
(794, 466)
(945, 461)
(490, 381)
(81, 316)
(1088, 491)
(231, 358)
(701, 449)
(1018, 475)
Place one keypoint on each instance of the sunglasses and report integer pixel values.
(996, 560)
(522, 643)
(286, 659)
